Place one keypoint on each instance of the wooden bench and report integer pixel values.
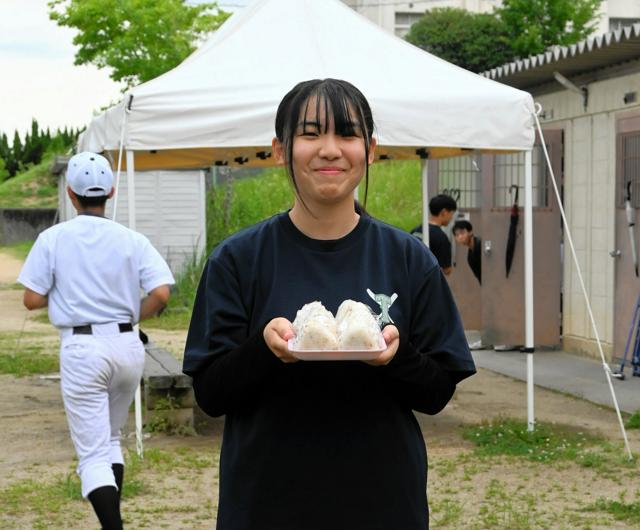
(167, 392)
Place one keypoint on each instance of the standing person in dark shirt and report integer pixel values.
(317, 445)
(463, 234)
(441, 210)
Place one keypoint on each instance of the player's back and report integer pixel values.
(98, 271)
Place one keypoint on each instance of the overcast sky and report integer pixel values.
(37, 76)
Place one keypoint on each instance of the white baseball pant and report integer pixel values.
(99, 376)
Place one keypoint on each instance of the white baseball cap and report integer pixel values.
(89, 175)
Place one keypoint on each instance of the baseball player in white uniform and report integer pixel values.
(89, 272)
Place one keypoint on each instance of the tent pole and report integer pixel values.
(425, 201)
(131, 202)
(528, 282)
(119, 169)
(569, 239)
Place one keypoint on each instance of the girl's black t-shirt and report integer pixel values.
(317, 445)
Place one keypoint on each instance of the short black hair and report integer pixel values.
(442, 202)
(335, 96)
(462, 224)
(91, 202)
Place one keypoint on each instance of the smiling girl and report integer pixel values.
(329, 444)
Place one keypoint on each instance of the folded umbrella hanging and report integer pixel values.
(631, 223)
(513, 229)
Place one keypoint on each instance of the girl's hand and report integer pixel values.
(392, 339)
(276, 334)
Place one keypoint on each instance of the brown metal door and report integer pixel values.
(627, 285)
(462, 174)
(502, 296)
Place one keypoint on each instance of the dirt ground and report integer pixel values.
(36, 447)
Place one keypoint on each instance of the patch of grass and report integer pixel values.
(18, 250)
(22, 356)
(171, 319)
(507, 509)
(445, 512)
(634, 421)
(34, 188)
(544, 444)
(395, 193)
(620, 510)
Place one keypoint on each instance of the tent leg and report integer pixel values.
(528, 282)
(131, 201)
(569, 239)
(425, 201)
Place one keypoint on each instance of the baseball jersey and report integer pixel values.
(92, 270)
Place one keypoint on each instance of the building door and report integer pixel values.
(627, 285)
(461, 178)
(502, 296)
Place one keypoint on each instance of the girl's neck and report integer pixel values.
(324, 222)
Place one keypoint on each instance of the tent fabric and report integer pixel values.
(218, 106)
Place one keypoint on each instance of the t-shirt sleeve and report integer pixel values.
(37, 272)
(219, 321)
(154, 270)
(228, 366)
(436, 326)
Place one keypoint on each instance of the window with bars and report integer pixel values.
(616, 23)
(629, 169)
(509, 172)
(461, 178)
(404, 21)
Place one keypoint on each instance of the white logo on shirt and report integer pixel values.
(385, 302)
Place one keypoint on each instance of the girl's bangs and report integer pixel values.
(332, 102)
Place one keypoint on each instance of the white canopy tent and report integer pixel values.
(219, 104)
(218, 107)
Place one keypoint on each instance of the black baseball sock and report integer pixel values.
(106, 504)
(118, 473)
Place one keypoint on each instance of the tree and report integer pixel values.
(34, 145)
(4, 174)
(475, 41)
(535, 25)
(138, 39)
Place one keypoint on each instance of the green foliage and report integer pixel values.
(634, 421)
(238, 204)
(4, 174)
(474, 41)
(535, 25)
(544, 444)
(37, 144)
(137, 39)
(394, 193)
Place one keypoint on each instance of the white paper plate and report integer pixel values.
(337, 355)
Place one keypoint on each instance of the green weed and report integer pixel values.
(620, 510)
(544, 444)
(445, 512)
(634, 421)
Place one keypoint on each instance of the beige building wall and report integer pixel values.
(589, 199)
